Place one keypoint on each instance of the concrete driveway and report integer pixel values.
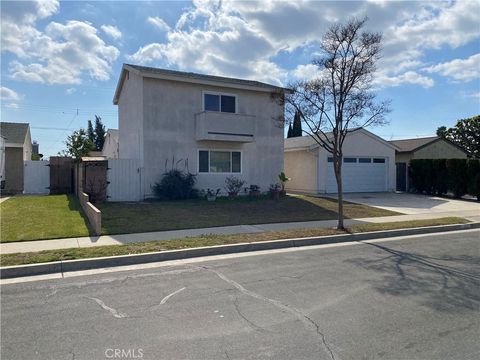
(416, 204)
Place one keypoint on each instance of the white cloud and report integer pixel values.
(459, 69)
(70, 91)
(474, 95)
(60, 54)
(112, 31)
(243, 39)
(159, 23)
(409, 77)
(9, 97)
(304, 72)
(8, 94)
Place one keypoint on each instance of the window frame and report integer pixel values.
(208, 92)
(231, 162)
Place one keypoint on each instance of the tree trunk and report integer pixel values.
(338, 176)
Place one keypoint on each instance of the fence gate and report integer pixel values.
(123, 179)
(36, 177)
(61, 175)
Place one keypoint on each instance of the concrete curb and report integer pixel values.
(122, 260)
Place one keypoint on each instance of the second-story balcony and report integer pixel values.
(221, 126)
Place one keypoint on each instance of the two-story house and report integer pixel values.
(215, 126)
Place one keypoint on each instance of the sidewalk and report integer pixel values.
(91, 241)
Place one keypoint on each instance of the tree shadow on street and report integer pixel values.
(442, 283)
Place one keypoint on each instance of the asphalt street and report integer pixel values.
(411, 298)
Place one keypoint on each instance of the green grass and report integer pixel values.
(124, 218)
(25, 218)
(207, 240)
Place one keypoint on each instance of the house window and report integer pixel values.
(365, 160)
(349, 160)
(330, 159)
(219, 102)
(378, 160)
(219, 161)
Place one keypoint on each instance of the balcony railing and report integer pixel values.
(211, 125)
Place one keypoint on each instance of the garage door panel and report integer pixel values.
(358, 177)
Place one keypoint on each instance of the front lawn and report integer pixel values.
(25, 218)
(207, 240)
(124, 218)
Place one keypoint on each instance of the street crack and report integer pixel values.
(112, 311)
(285, 308)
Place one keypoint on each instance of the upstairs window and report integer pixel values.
(219, 102)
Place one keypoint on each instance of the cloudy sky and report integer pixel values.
(60, 61)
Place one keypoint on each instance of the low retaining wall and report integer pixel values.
(93, 214)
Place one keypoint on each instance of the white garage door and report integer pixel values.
(359, 175)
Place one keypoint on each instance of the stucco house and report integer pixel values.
(368, 164)
(212, 126)
(432, 147)
(110, 145)
(18, 148)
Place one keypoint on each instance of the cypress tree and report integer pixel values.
(297, 125)
(289, 133)
(90, 132)
(99, 133)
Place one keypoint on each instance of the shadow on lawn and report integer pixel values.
(74, 205)
(118, 218)
(440, 282)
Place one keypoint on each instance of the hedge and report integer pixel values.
(440, 176)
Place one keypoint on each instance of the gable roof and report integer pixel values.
(307, 142)
(14, 133)
(407, 145)
(191, 77)
(410, 145)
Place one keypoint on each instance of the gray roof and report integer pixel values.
(407, 145)
(14, 133)
(191, 75)
(305, 142)
(299, 142)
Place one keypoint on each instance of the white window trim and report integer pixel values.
(207, 92)
(219, 173)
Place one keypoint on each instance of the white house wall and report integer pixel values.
(169, 109)
(130, 118)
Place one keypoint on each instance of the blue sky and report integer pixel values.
(60, 61)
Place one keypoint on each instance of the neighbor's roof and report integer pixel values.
(14, 133)
(407, 145)
(307, 142)
(193, 78)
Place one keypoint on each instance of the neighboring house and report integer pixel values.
(2, 162)
(213, 126)
(110, 146)
(18, 148)
(432, 147)
(368, 164)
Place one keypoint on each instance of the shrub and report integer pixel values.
(439, 176)
(473, 174)
(233, 184)
(457, 176)
(176, 185)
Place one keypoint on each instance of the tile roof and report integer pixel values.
(191, 75)
(407, 145)
(14, 133)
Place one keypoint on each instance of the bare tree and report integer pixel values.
(341, 99)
